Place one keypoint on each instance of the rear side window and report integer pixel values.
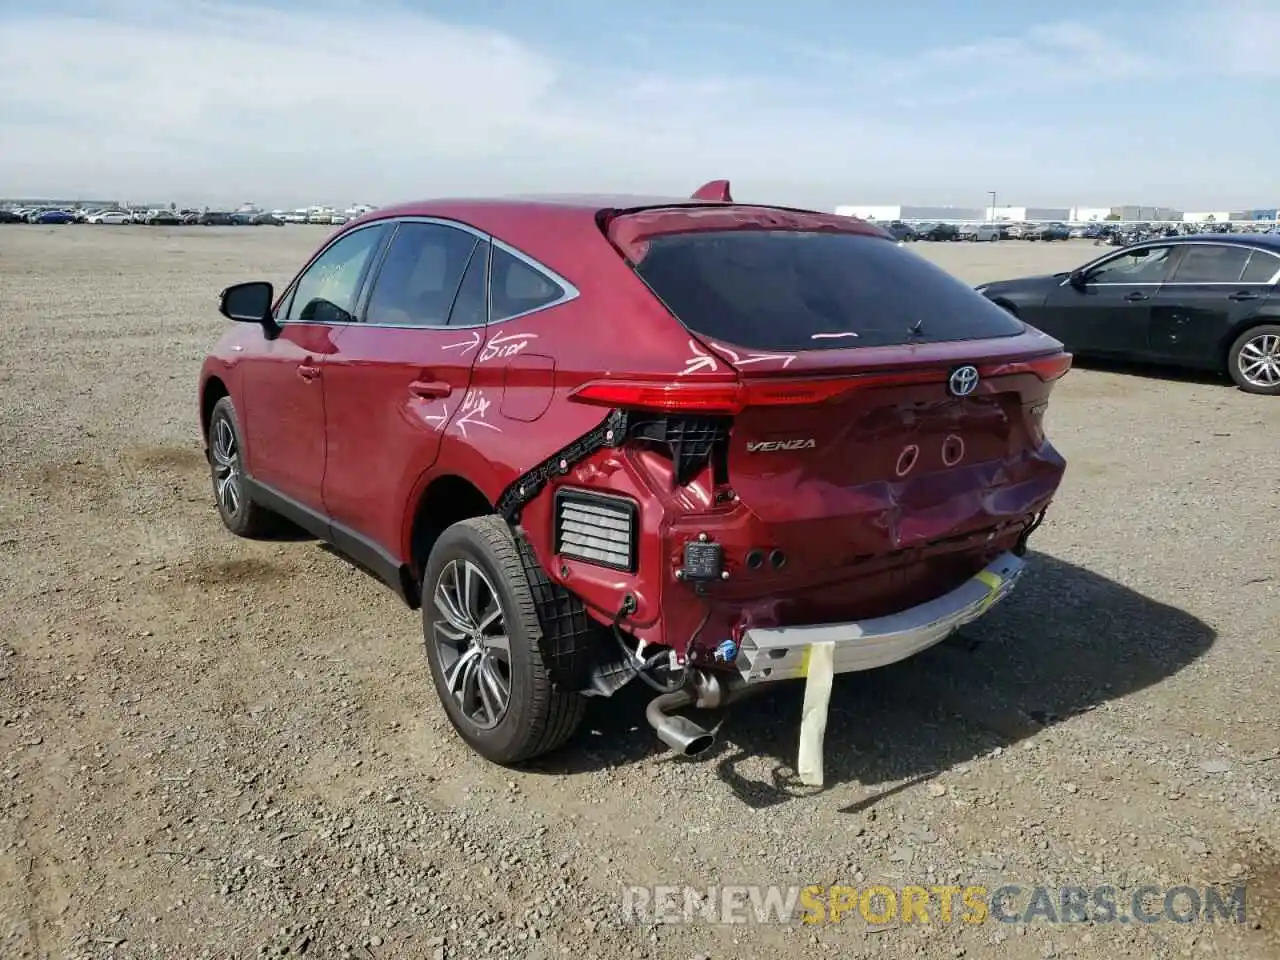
(1261, 268)
(516, 287)
(797, 290)
(1211, 264)
(420, 275)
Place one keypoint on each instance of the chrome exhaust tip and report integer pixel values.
(681, 734)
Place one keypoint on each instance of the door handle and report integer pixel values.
(430, 389)
(1243, 295)
(307, 371)
(1135, 296)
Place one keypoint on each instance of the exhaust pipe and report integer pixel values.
(704, 691)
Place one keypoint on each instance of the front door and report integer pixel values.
(400, 377)
(1109, 312)
(284, 379)
(1213, 287)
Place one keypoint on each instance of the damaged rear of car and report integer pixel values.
(845, 471)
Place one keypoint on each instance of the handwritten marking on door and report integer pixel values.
(472, 413)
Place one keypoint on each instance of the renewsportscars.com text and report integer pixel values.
(972, 904)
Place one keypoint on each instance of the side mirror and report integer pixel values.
(248, 303)
(1078, 279)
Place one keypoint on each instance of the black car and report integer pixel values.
(216, 218)
(1208, 301)
(938, 231)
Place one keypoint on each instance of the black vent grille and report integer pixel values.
(598, 528)
(691, 440)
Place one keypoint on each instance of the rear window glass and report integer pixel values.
(794, 290)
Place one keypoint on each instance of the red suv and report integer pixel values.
(596, 440)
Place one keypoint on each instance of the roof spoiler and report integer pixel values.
(713, 190)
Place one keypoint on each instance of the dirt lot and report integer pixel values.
(216, 748)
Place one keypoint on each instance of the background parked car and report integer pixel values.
(156, 218)
(1047, 232)
(1208, 302)
(937, 231)
(10, 216)
(110, 217)
(979, 232)
(215, 218)
(53, 216)
(899, 230)
(266, 220)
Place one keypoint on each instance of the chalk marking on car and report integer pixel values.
(507, 345)
(786, 358)
(831, 336)
(911, 454)
(468, 344)
(956, 443)
(699, 361)
(475, 406)
(438, 419)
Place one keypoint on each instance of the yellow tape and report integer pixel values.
(804, 660)
(992, 583)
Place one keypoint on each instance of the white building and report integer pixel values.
(1010, 214)
(1214, 216)
(881, 213)
(1089, 214)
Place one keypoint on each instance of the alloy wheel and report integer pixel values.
(471, 642)
(1260, 360)
(226, 467)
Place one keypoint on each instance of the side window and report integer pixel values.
(1206, 263)
(515, 287)
(1147, 265)
(470, 306)
(326, 293)
(419, 277)
(1260, 268)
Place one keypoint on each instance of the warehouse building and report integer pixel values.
(1012, 214)
(890, 212)
(1216, 216)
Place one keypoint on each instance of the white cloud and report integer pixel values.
(215, 102)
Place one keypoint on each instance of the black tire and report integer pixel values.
(1235, 360)
(245, 518)
(541, 713)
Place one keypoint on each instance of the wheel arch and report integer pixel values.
(213, 390)
(446, 500)
(1236, 332)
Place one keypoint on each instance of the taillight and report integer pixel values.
(682, 396)
(1047, 368)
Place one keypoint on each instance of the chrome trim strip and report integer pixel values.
(571, 292)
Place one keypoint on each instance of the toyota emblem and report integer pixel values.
(964, 380)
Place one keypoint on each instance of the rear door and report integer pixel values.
(1214, 287)
(1110, 314)
(400, 376)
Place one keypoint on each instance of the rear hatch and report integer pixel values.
(888, 407)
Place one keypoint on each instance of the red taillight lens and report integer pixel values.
(684, 396)
(668, 396)
(1047, 368)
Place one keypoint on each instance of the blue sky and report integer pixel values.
(813, 102)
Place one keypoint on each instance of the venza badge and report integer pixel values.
(964, 380)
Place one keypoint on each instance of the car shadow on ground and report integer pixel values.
(1147, 371)
(1066, 641)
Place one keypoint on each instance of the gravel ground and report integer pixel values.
(217, 748)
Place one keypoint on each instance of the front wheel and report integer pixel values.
(239, 513)
(1254, 360)
(490, 659)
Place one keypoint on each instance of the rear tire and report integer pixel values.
(239, 513)
(1254, 360)
(493, 664)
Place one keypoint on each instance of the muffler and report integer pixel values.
(705, 691)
